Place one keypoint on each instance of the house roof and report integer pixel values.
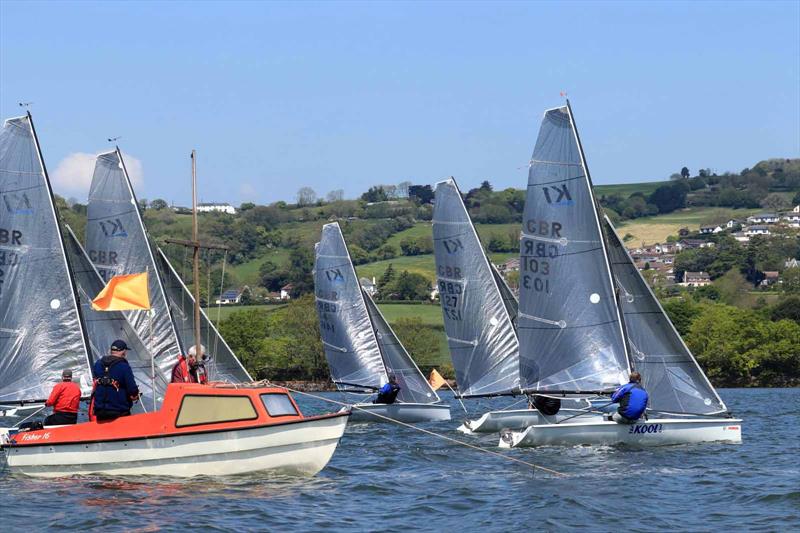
(696, 275)
(771, 274)
(287, 287)
(230, 295)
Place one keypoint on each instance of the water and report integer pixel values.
(388, 477)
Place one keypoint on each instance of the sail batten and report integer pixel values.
(41, 330)
(478, 309)
(569, 323)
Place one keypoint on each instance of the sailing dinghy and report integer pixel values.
(360, 346)
(587, 317)
(479, 312)
(41, 328)
(118, 243)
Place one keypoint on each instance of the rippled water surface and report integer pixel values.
(388, 477)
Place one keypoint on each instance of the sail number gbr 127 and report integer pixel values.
(450, 292)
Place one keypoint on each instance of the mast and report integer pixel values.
(602, 237)
(73, 286)
(195, 259)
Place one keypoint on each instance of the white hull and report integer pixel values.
(654, 432)
(404, 412)
(303, 447)
(495, 421)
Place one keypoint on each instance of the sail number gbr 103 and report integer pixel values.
(535, 261)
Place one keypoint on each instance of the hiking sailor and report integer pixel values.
(65, 401)
(115, 387)
(388, 393)
(632, 400)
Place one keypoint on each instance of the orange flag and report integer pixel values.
(124, 293)
(436, 380)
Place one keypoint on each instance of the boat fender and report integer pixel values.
(546, 405)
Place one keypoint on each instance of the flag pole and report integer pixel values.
(150, 312)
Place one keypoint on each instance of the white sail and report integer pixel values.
(117, 243)
(41, 332)
(569, 324)
(477, 316)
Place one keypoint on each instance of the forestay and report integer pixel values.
(117, 243)
(414, 388)
(569, 325)
(348, 339)
(104, 327)
(222, 364)
(40, 326)
(669, 371)
(477, 314)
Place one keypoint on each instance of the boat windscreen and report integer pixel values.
(349, 341)
(670, 373)
(569, 326)
(480, 333)
(40, 328)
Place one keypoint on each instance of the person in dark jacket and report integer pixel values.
(632, 400)
(65, 401)
(388, 393)
(115, 387)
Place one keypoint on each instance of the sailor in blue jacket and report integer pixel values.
(632, 400)
(388, 393)
(115, 388)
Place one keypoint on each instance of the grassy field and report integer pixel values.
(247, 273)
(430, 314)
(420, 264)
(225, 311)
(626, 189)
(651, 230)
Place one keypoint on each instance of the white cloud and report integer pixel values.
(73, 175)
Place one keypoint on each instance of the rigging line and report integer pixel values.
(428, 432)
(221, 287)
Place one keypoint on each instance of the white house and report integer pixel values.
(792, 219)
(796, 209)
(286, 291)
(696, 279)
(791, 263)
(752, 231)
(706, 230)
(229, 297)
(763, 218)
(211, 207)
(732, 223)
(741, 237)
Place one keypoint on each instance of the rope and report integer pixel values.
(586, 411)
(428, 432)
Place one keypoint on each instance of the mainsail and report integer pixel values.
(104, 327)
(670, 373)
(222, 364)
(41, 332)
(478, 318)
(361, 348)
(510, 301)
(569, 323)
(117, 243)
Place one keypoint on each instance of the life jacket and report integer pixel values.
(106, 380)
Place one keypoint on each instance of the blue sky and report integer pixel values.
(276, 96)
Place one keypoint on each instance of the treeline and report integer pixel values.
(769, 185)
(742, 347)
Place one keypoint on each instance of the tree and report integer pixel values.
(246, 298)
(246, 206)
(409, 286)
(791, 281)
(787, 309)
(422, 194)
(375, 194)
(387, 251)
(796, 199)
(685, 172)
(158, 204)
(386, 278)
(774, 201)
(358, 255)
(244, 331)
(301, 264)
(682, 313)
(402, 189)
(668, 198)
(416, 337)
(486, 186)
(306, 196)
(336, 195)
